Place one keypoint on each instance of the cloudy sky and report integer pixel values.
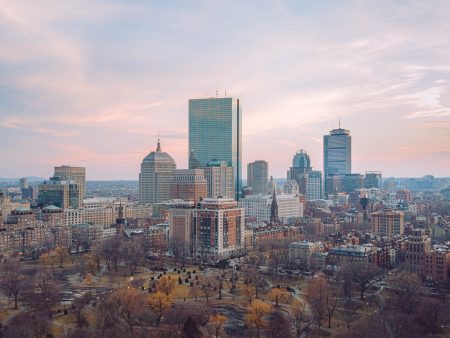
(90, 82)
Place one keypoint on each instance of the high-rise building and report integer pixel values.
(189, 185)
(218, 227)
(373, 179)
(156, 176)
(215, 133)
(258, 177)
(337, 153)
(77, 174)
(309, 181)
(60, 193)
(219, 179)
(314, 185)
(388, 223)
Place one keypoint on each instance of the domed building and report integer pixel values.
(156, 176)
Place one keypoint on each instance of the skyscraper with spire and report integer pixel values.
(156, 176)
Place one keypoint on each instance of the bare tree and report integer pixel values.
(316, 295)
(80, 303)
(128, 303)
(406, 288)
(12, 281)
(231, 279)
(301, 319)
(252, 274)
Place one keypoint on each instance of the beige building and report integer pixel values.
(156, 177)
(77, 174)
(388, 223)
(220, 180)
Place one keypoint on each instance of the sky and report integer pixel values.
(89, 83)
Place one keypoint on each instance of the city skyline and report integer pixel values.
(90, 84)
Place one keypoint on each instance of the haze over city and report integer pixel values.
(89, 84)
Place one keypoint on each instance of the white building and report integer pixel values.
(258, 207)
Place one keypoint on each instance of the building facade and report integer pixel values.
(156, 176)
(77, 174)
(337, 153)
(388, 223)
(215, 133)
(219, 180)
(189, 185)
(59, 192)
(258, 177)
(218, 227)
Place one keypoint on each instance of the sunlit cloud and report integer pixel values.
(93, 82)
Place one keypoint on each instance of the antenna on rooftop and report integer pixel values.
(339, 121)
(217, 93)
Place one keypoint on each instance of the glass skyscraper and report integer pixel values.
(215, 133)
(337, 152)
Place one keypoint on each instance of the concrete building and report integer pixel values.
(388, 223)
(215, 133)
(77, 174)
(258, 177)
(189, 185)
(219, 180)
(218, 227)
(156, 176)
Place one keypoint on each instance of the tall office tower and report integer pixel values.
(188, 185)
(337, 153)
(314, 185)
(373, 179)
(59, 192)
(258, 177)
(388, 223)
(309, 181)
(156, 176)
(219, 179)
(77, 174)
(218, 227)
(215, 133)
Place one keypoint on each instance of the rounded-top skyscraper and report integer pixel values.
(301, 160)
(156, 176)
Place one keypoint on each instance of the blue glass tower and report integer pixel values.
(215, 133)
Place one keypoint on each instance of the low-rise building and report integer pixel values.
(300, 253)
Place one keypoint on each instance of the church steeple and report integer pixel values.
(274, 208)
